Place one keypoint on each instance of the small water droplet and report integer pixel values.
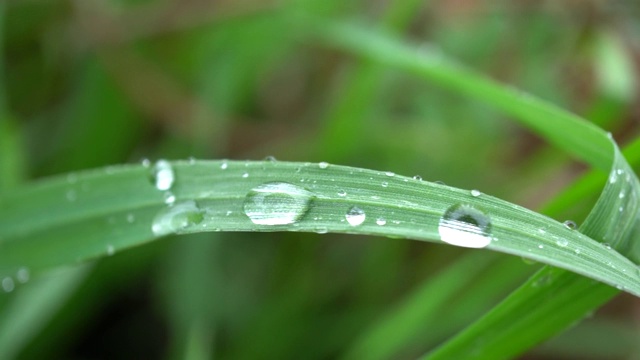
(381, 221)
(390, 174)
(192, 160)
(342, 193)
(542, 231)
(542, 281)
(540, 246)
(7, 284)
(528, 261)
(110, 250)
(613, 178)
(177, 219)
(169, 198)
(620, 171)
(439, 182)
(131, 218)
(571, 225)
(277, 203)
(224, 165)
(385, 184)
(163, 175)
(355, 216)
(577, 251)
(23, 275)
(475, 193)
(621, 195)
(322, 230)
(71, 195)
(606, 246)
(229, 212)
(323, 165)
(146, 162)
(417, 177)
(245, 175)
(466, 226)
(562, 242)
(270, 159)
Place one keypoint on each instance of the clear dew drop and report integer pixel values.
(7, 284)
(245, 175)
(131, 218)
(606, 246)
(342, 193)
(417, 177)
(475, 193)
(23, 275)
(385, 184)
(277, 203)
(562, 242)
(381, 221)
(163, 175)
(177, 219)
(110, 250)
(323, 165)
(390, 174)
(145, 162)
(466, 226)
(270, 159)
(355, 216)
(571, 225)
(224, 165)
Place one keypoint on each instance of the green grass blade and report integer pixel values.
(614, 219)
(59, 217)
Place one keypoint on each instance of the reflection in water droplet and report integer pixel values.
(570, 224)
(23, 275)
(466, 226)
(277, 203)
(163, 175)
(177, 219)
(355, 216)
(7, 284)
(417, 177)
(381, 221)
(169, 198)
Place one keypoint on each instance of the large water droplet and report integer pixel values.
(464, 225)
(355, 216)
(177, 219)
(277, 203)
(570, 225)
(163, 175)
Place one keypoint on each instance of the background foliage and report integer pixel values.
(95, 83)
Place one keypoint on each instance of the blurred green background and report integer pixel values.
(90, 83)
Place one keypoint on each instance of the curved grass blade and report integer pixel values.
(614, 219)
(78, 217)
